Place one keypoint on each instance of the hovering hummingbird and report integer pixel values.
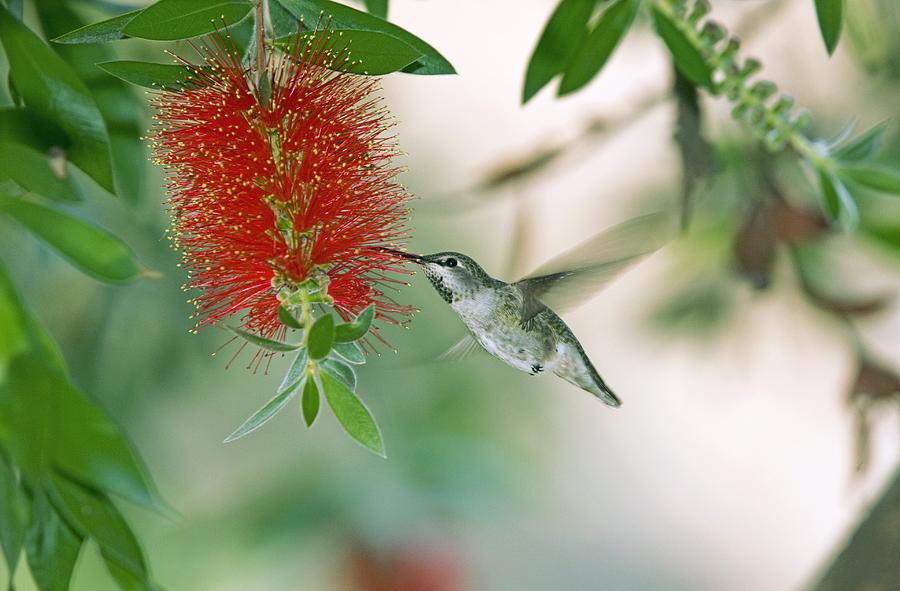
(514, 321)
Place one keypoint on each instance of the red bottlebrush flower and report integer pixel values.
(274, 184)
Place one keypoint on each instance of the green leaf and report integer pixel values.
(297, 369)
(263, 342)
(353, 331)
(283, 22)
(320, 337)
(150, 75)
(89, 248)
(873, 177)
(598, 46)
(31, 170)
(13, 516)
(369, 52)
(51, 547)
(310, 402)
(287, 318)
(341, 371)
(340, 17)
(862, 146)
(349, 352)
(269, 410)
(93, 515)
(54, 92)
(377, 8)
(102, 32)
(687, 58)
(838, 203)
(168, 20)
(352, 414)
(831, 18)
(564, 33)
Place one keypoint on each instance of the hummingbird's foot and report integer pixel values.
(536, 369)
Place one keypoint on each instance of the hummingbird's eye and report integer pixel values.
(450, 262)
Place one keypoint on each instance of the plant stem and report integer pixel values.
(260, 41)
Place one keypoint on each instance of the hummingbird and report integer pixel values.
(517, 322)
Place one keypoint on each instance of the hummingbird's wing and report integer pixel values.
(462, 349)
(571, 278)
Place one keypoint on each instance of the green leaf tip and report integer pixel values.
(268, 344)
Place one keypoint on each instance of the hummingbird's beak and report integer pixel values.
(416, 258)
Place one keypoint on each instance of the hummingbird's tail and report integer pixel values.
(588, 379)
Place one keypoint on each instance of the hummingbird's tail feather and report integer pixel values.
(585, 376)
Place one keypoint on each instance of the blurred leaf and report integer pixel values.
(562, 35)
(831, 18)
(22, 126)
(169, 20)
(268, 344)
(297, 368)
(271, 408)
(91, 249)
(863, 146)
(51, 547)
(369, 52)
(377, 8)
(283, 22)
(696, 153)
(598, 46)
(352, 414)
(688, 60)
(310, 402)
(287, 318)
(873, 177)
(320, 337)
(340, 17)
(349, 352)
(102, 32)
(17, 99)
(53, 91)
(837, 201)
(150, 75)
(353, 331)
(93, 515)
(13, 516)
(31, 170)
(341, 371)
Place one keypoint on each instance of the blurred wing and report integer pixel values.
(571, 278)
(465, 347)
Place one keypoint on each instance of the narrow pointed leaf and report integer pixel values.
(310, 402)
(831, 19)
(353, 331)
(150, 75)
(31, 170)
(13, 516)
(271, 408)
(838, 203)
(287, 318)
(91, 249)
(352, 414)
(94, 516)
(297, 369)
(168, 20)
(102, 32)
(54, 92)
(268, 344)
(51, 547)
(563, 34)
(349, 352)
(598, 46)
(320, 337)
(687, 58)
(863, 146)
(341, 371)
(369, 52)
(340, 17)
(873, 177)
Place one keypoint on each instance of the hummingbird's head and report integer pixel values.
(452, 274)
